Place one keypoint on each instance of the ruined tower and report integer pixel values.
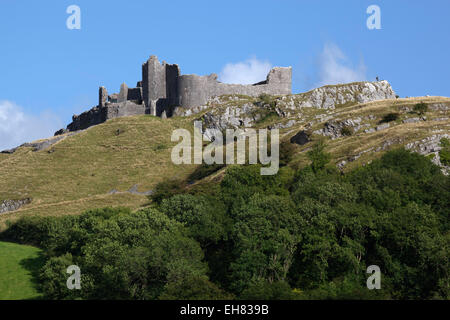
(159, 86)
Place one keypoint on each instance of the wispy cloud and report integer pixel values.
(17, 127)
(246, 72)
(334, 67)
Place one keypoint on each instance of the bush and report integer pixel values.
(444, 153)
(264, 290)
(319, 158)
(193, 288)
(287, 153)
(347, 131)
(166, 189)
(204, 170)
(389, 117)
(420, 108)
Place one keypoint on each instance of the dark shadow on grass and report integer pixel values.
(34, 266)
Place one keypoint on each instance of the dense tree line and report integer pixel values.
(305, 234)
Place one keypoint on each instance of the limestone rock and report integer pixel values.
(12, 205)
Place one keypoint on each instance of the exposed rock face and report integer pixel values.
(12, 205)
(236, 115)
(334, 129)
(328, 97)
(383, 126)
(411, 120)
(430, 145)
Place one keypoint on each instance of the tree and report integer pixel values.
(193, 288)
(265, 236)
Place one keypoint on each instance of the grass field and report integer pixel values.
(19, 265)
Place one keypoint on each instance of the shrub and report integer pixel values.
(420, 108)
(166, 189)
(318, 157)
(161, 146)
(347, 131)
(389, 117)
(266, 99)
(204, 170)
(193, 288)
(444, 153)
(287, 152)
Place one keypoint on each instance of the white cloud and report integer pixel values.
(335, 68)
(17, 127)
(247, 72)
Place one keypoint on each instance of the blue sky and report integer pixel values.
(48, 72)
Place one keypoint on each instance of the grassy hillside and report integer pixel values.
(365, 144)
(79, 172)
(19, 265)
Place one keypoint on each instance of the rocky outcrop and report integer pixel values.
(239, 114)
(335, 129)
(330, 97)
(430, 146)
(13, 205)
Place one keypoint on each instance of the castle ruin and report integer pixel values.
(163, 89)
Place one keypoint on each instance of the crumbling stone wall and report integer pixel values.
(195, 90)
(162, 89)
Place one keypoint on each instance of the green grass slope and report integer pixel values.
(19, 265)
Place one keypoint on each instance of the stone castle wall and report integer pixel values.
(163, 89)
(195, 90)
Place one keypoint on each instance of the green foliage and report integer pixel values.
(319, 158)
(444, 153)
(309, 234)
(347, 288)
(267, 110)
(393, 116)
(287, 152)
(265, 236)
(264, 290)
(420, 108)
(166, 189)
(193, 288)
(206, 219)
(53, 278)
(204, 170)
(266, 99)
